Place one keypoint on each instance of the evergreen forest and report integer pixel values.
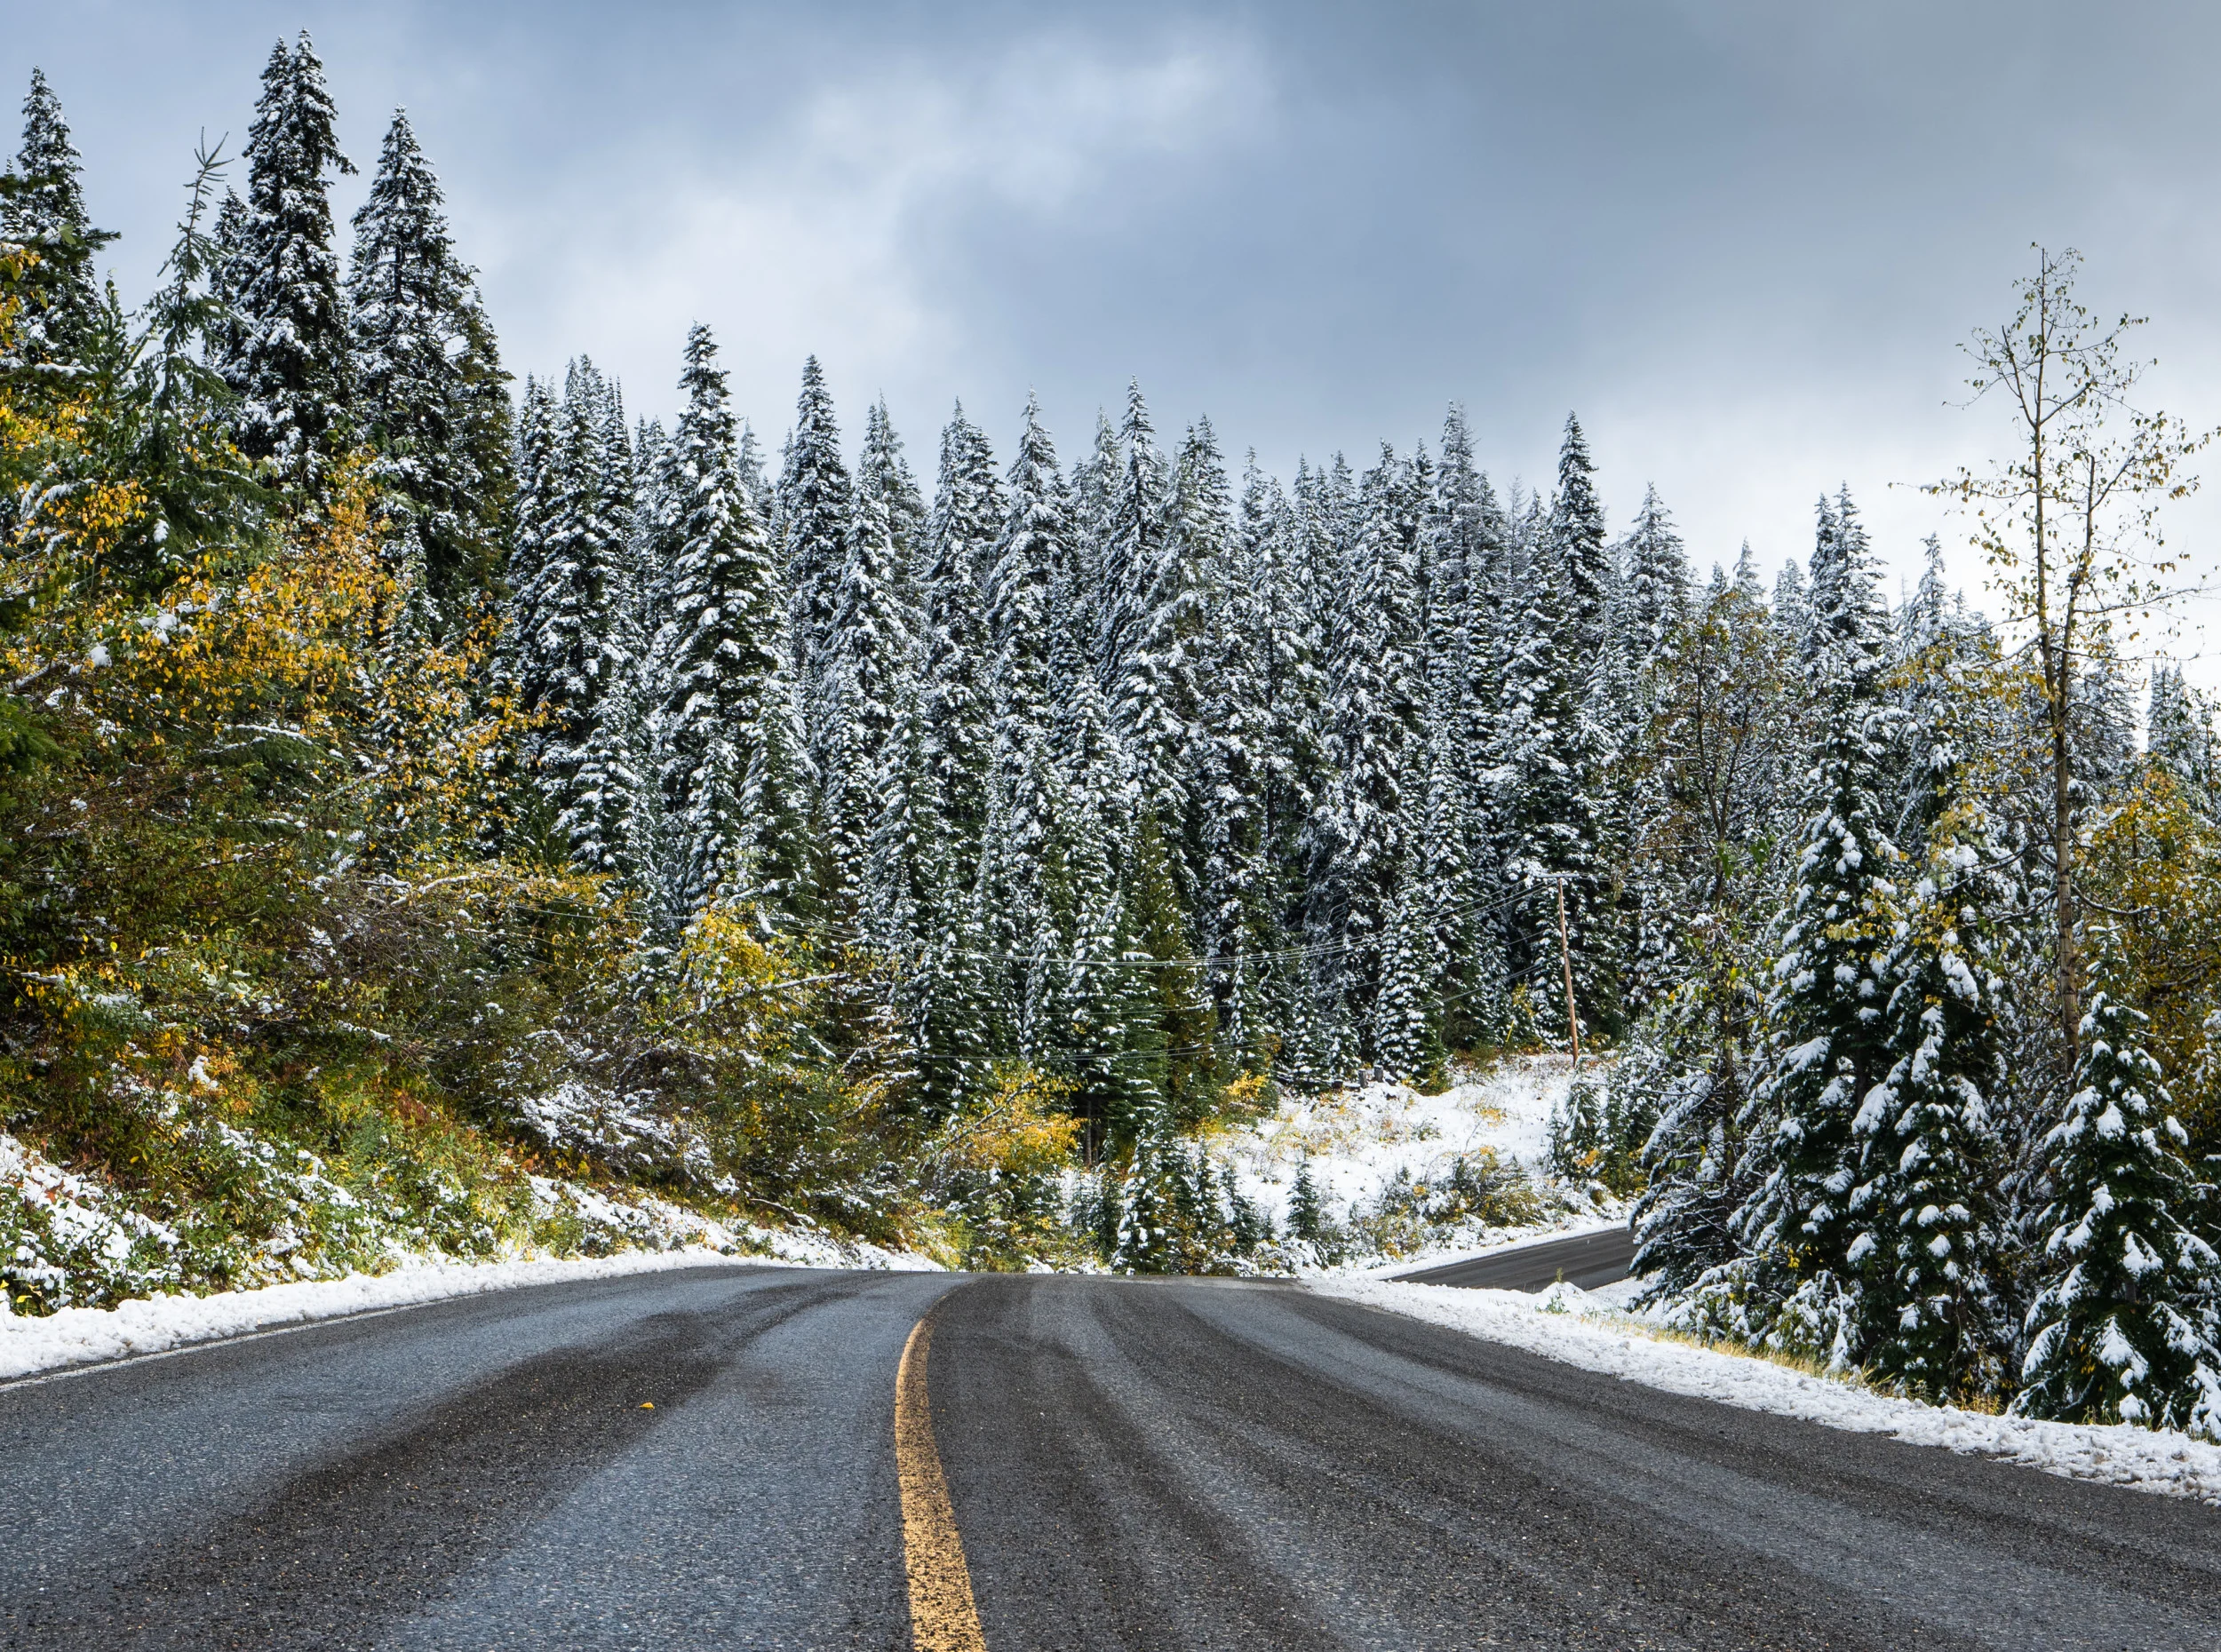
(433, 801)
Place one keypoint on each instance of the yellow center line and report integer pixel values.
(942, 1615)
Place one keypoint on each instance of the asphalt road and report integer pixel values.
(1586, 1260)
(1131, 1463)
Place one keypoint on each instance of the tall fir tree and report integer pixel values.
(1928, 1248)
(956, 658)
(865, 664)
(728, 772)
(1576, 540)
(289, 360)
(1827, 1011)
(1148, 617)
(43, 211)
(816, 495)
(420, 348)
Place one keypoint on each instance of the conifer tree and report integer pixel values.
(1826, 1012)
(540, 478)
(1403, 1034)
(1033, 545)
(916, 913)
(957, 657)
(1928, 1246)
(43, 211)
(883, 472)
(2179, 735)
(1149, 1196)
(2125, 1327)
(1238, 897)
(729, 773)
(1361, 833)
(1657, 582)
(1543, 809)
(420, 352)
(1148, 617)
(289, 363)
(814, 500)
(863, 661)
(1577, 542)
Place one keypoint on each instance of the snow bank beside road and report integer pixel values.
(73, 1337)
(1572, 1327)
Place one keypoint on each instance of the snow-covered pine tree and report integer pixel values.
(1149, 1193)
(1237, 897)
(1657, 582)
(1308, 1219)
(914, 921)
(1196, 556)
(2179, 736)
(956, 654)
(1542, 805)
(1826, 1014)
(1651, 606)
(411, 315)
(44, 211)
(1845, 622)
(727, 767)
(1031, 548)
(1403, 1033)
(290, 361)
(1148, 617)
(866, 663)
(2124, 1328)
(1792, 600)
(574, 649)
(1275, 530)
(1576, 540)
(1092, 491)
(815, 499)
(882, 471)
(1691, 1057)
(618, 770)
(486, 435)
(1361, 834)
(538, 473)
(1928, 1241)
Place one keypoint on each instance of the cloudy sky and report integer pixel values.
(1742, 240)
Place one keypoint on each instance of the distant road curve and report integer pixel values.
(1588, 1260)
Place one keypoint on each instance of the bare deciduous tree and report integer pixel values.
(2070, 525)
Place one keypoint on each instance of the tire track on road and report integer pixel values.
(379, 1532)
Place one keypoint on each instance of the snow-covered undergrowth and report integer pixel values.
(1590, 1329)
(77, 1335)
(1405, 1178)
(73, 1247)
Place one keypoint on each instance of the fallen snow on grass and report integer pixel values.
(1584, 1329)
(1361, 1143)
(75, 1336)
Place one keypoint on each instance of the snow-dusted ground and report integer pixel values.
(32, 1344)
(1357, 1141)
(1587, 1330)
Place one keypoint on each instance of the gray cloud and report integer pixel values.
(1743, 240)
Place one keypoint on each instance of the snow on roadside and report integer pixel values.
(31, 1345)
(1582, 1328)
(1358, 1142)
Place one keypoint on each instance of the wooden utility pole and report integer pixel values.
(1566, 957)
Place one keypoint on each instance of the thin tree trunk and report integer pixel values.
(2063, 862)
